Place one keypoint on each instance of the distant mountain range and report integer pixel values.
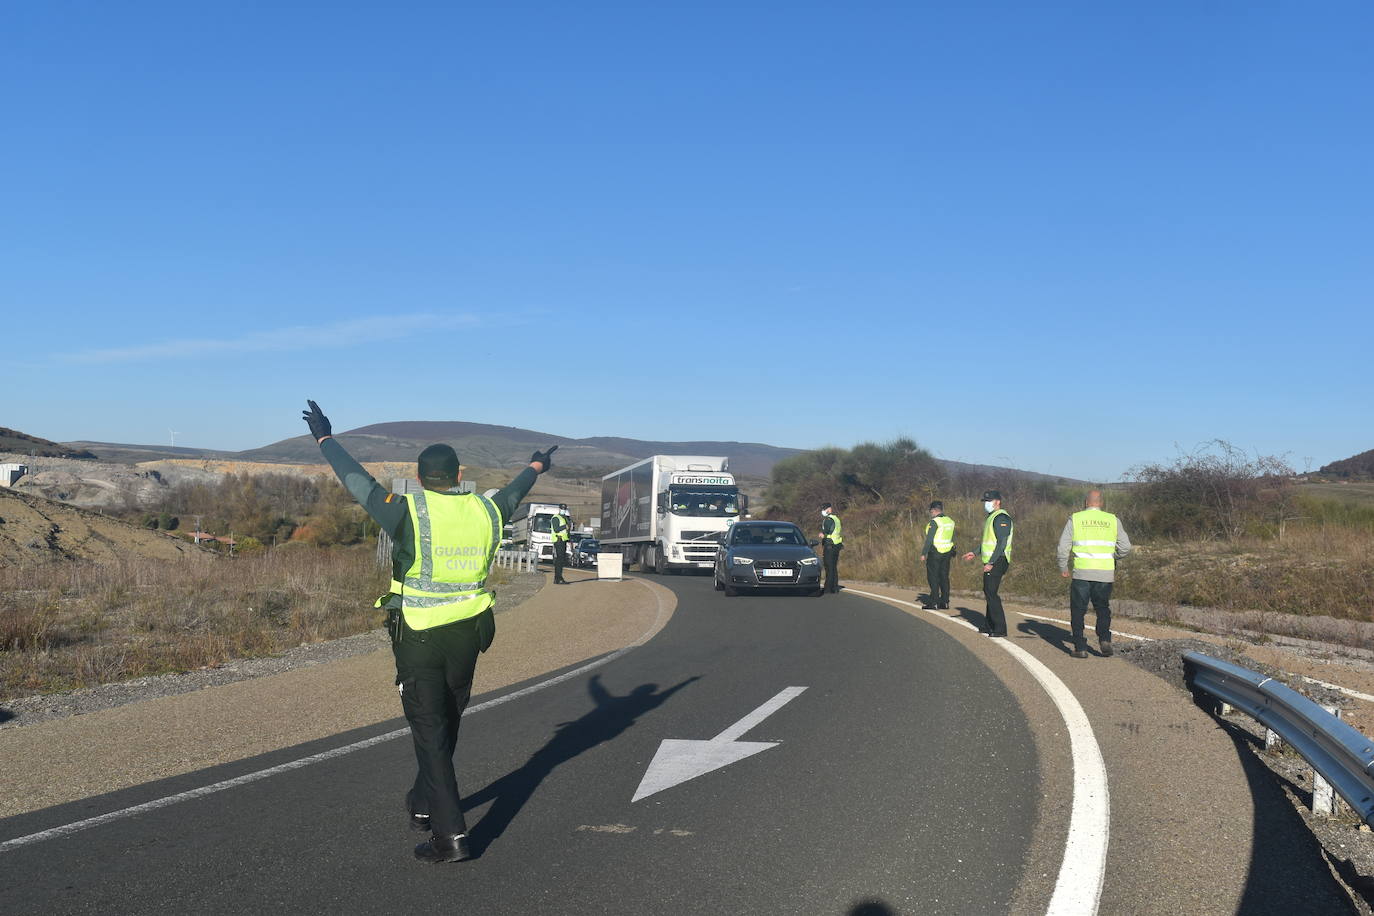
(486, 445)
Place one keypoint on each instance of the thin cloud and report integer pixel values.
(328, 336)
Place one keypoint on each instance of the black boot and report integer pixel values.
(448, 848)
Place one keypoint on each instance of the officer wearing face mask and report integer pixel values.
(995, 554)
(832, 538)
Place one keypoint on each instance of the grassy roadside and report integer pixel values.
(68, 625)
(1303, 585)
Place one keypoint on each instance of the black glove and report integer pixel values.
(545, 457)
(317, 421)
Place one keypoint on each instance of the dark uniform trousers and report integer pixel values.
(1081, 591)
(937, 574)
(434, 671)
(560, 559)
(832, 566)
(992, 581)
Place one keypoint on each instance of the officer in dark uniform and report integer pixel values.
(995, 555)
(558, 527)
(938, 550)
(832, 541)
(439, 610)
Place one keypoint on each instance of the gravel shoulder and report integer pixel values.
(168, 731)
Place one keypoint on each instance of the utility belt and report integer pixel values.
(400, 631)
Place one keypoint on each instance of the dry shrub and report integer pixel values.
(73, 625)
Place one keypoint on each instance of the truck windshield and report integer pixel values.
(541, 523)
(704, 503)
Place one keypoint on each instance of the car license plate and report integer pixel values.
(776, 572)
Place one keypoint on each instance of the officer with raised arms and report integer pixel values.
(439, 608)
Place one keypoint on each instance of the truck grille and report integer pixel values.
(704, 537)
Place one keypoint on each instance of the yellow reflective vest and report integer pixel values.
(1094, 539)
(559, 526)
(990, 539)
(456, 537)
(836, 534)
(943, 541)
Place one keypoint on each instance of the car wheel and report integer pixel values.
(720, 587)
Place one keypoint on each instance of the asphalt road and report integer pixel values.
(903, 780)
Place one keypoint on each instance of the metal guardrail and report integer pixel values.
(518, 560)
(1338, 753)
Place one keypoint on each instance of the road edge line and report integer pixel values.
(1078, 889)
(166, 801)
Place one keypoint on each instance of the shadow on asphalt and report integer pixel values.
(1288, 871)
(872, 907)
(977, 618)
(1059, 637)
(611, 715)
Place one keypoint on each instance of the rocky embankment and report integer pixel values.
(33, 529)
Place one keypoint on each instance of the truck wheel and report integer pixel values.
(646, 560)
(660, 563)
(719, 586)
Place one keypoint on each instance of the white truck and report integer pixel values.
(668, 512)
(530, 528)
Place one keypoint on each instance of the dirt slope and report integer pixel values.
(39, 530)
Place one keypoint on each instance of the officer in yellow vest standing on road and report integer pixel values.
(995, 555)
(938, 550)
(1097, 540)
(558, 527)
(439, 609)
(832, 541)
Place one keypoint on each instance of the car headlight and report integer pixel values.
(743, 561)
(810, 561)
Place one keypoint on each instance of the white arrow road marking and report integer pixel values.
(678, 761)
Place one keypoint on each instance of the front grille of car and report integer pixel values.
(776, 564)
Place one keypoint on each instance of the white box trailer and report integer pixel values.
(668, 512)
(531, 528)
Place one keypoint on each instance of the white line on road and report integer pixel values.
(1079, 885)
(68, 829)
(678, 760)
(785, 696)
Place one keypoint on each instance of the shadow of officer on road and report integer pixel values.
(610, 716)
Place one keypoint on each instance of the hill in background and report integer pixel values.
(489, 446)
(1356, 467)
(12, 440)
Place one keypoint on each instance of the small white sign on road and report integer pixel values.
(610, 566)
(679, 760)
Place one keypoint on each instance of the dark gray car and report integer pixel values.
(756, 554)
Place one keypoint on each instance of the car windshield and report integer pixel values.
(704, 503)
(766, 534)
(587, 544)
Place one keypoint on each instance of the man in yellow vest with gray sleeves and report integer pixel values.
(1096, 540)
(439, 608)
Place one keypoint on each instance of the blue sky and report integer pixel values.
(1071, 238)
